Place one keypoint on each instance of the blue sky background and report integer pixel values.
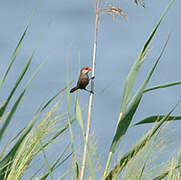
(69, 38)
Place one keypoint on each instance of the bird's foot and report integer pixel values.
(93, 77)
(89, 91)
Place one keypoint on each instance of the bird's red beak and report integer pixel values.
(89, 69)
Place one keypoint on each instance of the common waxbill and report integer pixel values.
(83, 80)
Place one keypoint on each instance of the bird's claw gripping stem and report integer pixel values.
(89, 91)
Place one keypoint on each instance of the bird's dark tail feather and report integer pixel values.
(73, 89)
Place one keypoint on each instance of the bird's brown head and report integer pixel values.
(85, 70)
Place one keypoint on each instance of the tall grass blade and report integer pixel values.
(56, 135)
(5, 164)
(59, 164)
(75, 162)
(10, 115)
(46, 161)
(13, 57)
(35, 173)
(27, 129)
(20, 98)
(90, 163)
(23, 134)
(16, 51)
(59, 92)
(162, 86)
(53, 167)
(171, 170)
(59, 132)
(141, 172)
(80, 121)
(79, 116)
(131, 153)
(130, 80)
(125, 119)
(25, 153)
(163, 175)
(3, 108)
(153, 119)
(64, 175)
(179, 159)
(129, 107)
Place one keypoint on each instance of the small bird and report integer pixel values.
(83, 80)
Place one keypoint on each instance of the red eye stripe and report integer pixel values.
(87, 68)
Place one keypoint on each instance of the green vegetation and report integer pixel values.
(47, 126)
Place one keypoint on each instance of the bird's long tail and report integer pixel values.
(73, 89)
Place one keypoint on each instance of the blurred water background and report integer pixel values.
(68, 28)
